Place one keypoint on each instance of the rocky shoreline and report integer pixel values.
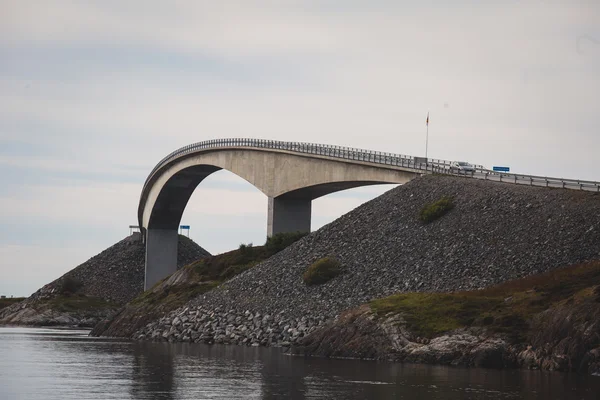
(216, 326)
(562, 337)
(27, 314)
(359, 334)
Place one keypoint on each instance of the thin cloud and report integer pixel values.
(93, 94)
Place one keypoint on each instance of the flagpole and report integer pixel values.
(427, 139)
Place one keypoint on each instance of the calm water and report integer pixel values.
(66, 364)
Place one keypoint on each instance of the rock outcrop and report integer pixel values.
(562, 338)
(358, 333)
(99, 286)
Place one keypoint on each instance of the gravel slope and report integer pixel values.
(495, 232)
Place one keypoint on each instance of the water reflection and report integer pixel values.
(50, 364)
(153, 372)
(282, 377)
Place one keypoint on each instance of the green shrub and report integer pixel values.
(244, 246)
(246, 249)
(280, 241)
(322, 271)
(70, 285)
(431, 212)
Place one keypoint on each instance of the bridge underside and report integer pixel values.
(290, 183)
(291, 212)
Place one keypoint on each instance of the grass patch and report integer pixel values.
(74, 303)
(10, 301)
(174, 296)
(506, 308)
(227, 265)
(321, 271)
(429, 314)
(432, 211)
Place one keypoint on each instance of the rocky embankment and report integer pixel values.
(494, 233)
(223, 326)
(165, 296)
(549, 321)
(94, 290)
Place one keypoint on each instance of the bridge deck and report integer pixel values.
(381, 159)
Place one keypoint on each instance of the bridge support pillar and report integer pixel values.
(161, 255)
(288, 214)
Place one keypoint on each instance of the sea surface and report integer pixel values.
(37, 363)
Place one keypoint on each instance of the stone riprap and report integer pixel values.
(495, 232)
(216, 326)
(115, 275)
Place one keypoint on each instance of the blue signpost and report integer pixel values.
(184, 227)
(501, 169)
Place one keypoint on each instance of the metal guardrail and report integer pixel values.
(375, 157)
(534, 180)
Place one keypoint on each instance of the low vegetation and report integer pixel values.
(280, 241)
(175, 295)
(10, 301)
(225, 266)
(432, 211)
(321, 271)
(79, 302)
(507, 308)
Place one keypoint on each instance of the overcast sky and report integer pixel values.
(94, 93)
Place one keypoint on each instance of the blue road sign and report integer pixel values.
(501, 169)
(184, 227)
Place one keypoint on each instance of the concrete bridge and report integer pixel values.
(290, 174)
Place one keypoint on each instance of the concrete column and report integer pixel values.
(288, 214)
(161, 255)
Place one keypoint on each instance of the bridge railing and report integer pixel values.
(376, 157)
(342, 152)
(535, 180)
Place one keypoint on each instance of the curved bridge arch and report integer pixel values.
(290, 174)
